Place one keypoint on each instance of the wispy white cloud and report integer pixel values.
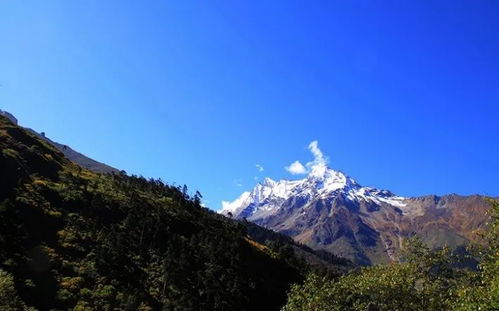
(238, 183)
(318, 155)
(259, 167)
(320, 161)
(296, 168)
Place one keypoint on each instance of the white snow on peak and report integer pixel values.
(319, 170)
(377, 196)
(236, 204)
(268, 182)
(321, 183)
(331, 180)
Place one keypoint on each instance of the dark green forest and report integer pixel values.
(72, 239)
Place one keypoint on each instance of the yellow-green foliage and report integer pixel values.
(71, 283)
(394, 287)
(48, 157)
(482, 290)
(40, 182)
(10, 153)
(9, 300)
(258, 246)
(427, 280)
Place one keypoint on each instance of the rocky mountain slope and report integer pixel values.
(331, 211)
(68, 152)
(78, 158)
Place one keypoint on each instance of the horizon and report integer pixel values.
(217, 96)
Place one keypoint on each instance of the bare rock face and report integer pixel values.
(329, 210)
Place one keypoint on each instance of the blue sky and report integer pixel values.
(401, 95)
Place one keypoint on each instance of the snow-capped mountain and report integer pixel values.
(322, 183)
(329, 210)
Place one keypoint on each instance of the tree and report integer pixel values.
(482, 290)
(9, 300)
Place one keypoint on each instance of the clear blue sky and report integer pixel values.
(401, 95)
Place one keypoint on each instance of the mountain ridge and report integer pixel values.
(70, 153)
(329, 210)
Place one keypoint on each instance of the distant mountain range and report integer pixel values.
(329, 210)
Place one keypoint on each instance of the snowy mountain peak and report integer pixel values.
(322, 183)
(319, 171)
(329, 179)
(268, 182)
(327, 209)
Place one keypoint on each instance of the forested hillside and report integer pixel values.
(72, 239)
(425, 280)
